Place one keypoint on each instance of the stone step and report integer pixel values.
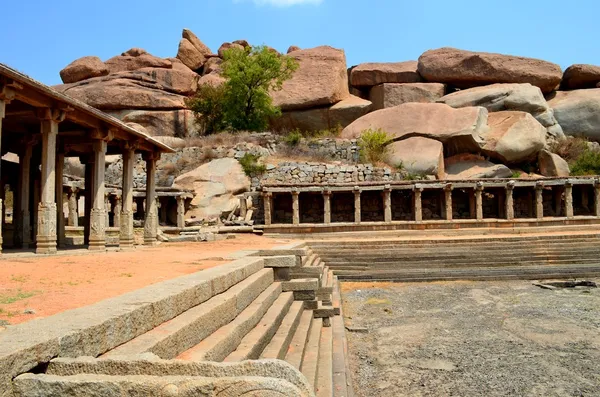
(310, 360)
(252, 345)
(376, 257)
(279, 344)
(342, 379)
(226, 339)
(181, 333)
(295, 351)
(371, 262)
(301, 284)
(324, 386)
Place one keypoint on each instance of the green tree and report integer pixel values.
(243, 102)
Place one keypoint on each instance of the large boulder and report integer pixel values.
(393, 94)
(215, 186)
(499, 97)
(513, 137)
(82, 69)
(178, 123)
(171, 141)
(226, 46)
(190, 55)
(578, 112)
(552, 165)
(321, 80)
(214, 79)
(580, 76)
(372, 74)
(458, 129)
(212, 65)
(466, 69)
(339, 115)
(419, 156)
(470, 166)
(178, 80)
(196, 42)
(126, 63)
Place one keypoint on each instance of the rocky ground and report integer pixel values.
(473, 339)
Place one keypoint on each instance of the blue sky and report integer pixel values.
(40, 37)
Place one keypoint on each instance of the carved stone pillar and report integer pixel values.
(23, 232)
(448, 200)
(357, 207)
(417, 204)
(60, 213)
(327, 207)
(73, 219)
(296, 208)
(46, 222)
(181, 212)
(539, 201)
(479, 201)
(98, 211)
(151, 218)
(117, 212)
(509, 202)
(569, 199)
(87, 199)
(107, 209)
(126, 238)
(387, 204)
(268, 204)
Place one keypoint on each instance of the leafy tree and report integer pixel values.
(208, 106)
(244, 102)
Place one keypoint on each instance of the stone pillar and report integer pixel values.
(73, 219)
(46, 222)
(327, 207)
(569, 200)
(107, 209)
(24, 222)
(151, 218)
(509, 203)
(539, 201)
(357, 206)
(243, 207)
(479, 201)
(60, 213)
(268, 203)
(98, 211)
(295, 208)
(87, 192)
(417, 205)
(387, 204)
(181, 211)
(448, 200)
(126, 238)
(117, 212)
(597, 197)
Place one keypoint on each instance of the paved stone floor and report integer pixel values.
(473, 339)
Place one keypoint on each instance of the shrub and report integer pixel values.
(570, 148)
(209, 107)
(251, 166)
(372, 145)
(588, 163)
(293, 138)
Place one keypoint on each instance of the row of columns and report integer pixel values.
(476, 203)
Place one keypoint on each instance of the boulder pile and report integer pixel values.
(447, 107)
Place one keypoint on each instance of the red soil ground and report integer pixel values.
(52, 284)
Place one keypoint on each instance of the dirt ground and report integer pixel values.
(473, 339)
(32, 287)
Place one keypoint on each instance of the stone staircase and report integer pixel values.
(287, 310)
(463, 257)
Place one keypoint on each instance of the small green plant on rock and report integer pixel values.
(251, 165)
(588, 163)
(372, 145)
(293, 138)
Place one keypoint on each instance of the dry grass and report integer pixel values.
(570, 148)
(224, 139)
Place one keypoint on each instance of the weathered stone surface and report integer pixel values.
(499, 97)
(126, 63)
(293, 48)
(115, 92)
(580, 76)
(190, 55)
(552, 164)
(135, 52)
(513, 137)
(465, 69)
(225, 46)
(578, 112)
(213, 79)
(212, 65)
(470, 166)
(320, 80)
(178, 80)
(215, 185)
(339, 115)
(171, 141)
(196, 42)
(178, 123)
(82, 69)
(372, 74)
(243, 43)
(393, 94)
(458, 129)
(420, 156)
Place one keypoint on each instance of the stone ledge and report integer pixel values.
(301, 284)
(280, 261)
